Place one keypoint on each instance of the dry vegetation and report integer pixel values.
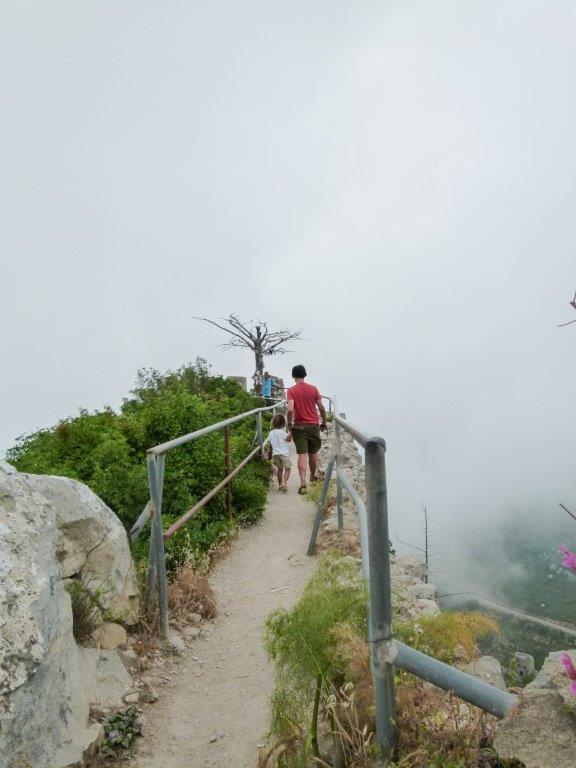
(190, 592)
(321, 655)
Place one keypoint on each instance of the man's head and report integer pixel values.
(298, 372)
(266, 375)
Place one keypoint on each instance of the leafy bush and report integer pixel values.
(106, 450)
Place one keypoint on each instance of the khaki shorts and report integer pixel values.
(281, 461)
(306, 438)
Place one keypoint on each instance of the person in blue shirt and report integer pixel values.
(267, 387)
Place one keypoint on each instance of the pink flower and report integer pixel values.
(570, 671)
(569, 559)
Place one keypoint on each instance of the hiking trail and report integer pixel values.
(215, 712)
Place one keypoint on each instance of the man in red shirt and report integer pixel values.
(304, 403)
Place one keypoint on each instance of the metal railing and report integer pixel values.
(155, 457)
(387, 653)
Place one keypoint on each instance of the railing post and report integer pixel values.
(321, 503)
(151, 576)
(228, 469)
(339, 494)
(380, 595)
(155, 481)
(259, 433)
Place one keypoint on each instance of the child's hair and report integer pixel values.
(278, 421)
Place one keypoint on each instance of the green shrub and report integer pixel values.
(87, 609)
(305, 647)
(120, 730)
(106, 450)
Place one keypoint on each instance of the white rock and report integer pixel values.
(427, 607)
(175, 641)
(48, 525)
(132, 698)
(422, 590)
(488, 669)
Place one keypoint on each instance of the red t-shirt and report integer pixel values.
(305, 397)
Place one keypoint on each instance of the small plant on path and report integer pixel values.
(120, 730)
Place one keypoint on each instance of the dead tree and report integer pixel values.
(426, 548)
(573, 305)
(254, 335)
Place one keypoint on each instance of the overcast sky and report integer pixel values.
(396, 178)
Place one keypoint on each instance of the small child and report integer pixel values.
(278, 439)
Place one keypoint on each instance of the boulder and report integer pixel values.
(488, 669)
(175, 641)
(412, 566)
(552, 676)
(92, 542)
(110, 635)
(132, 698)
(423, 591)
(427, 607)
(542, 733)
(52, 529)
(524, 664)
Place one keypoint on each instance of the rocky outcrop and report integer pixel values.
(52, 530)
(488, 669)
(542, 732)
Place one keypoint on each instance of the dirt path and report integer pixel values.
(217, 712)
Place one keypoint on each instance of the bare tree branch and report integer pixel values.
(567, 510)
(235, 323)
(254, 335)
(573, 305)
(222, 328)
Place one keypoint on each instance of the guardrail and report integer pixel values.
(155, 457)
(386, 652)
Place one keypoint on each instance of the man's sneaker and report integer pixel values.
(302, 490)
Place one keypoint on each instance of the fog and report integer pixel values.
(397, 179)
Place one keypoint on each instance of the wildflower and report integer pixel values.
(569, 559)
(113, 736)
(570, 671)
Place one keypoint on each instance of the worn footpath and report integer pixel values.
(215, 712)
